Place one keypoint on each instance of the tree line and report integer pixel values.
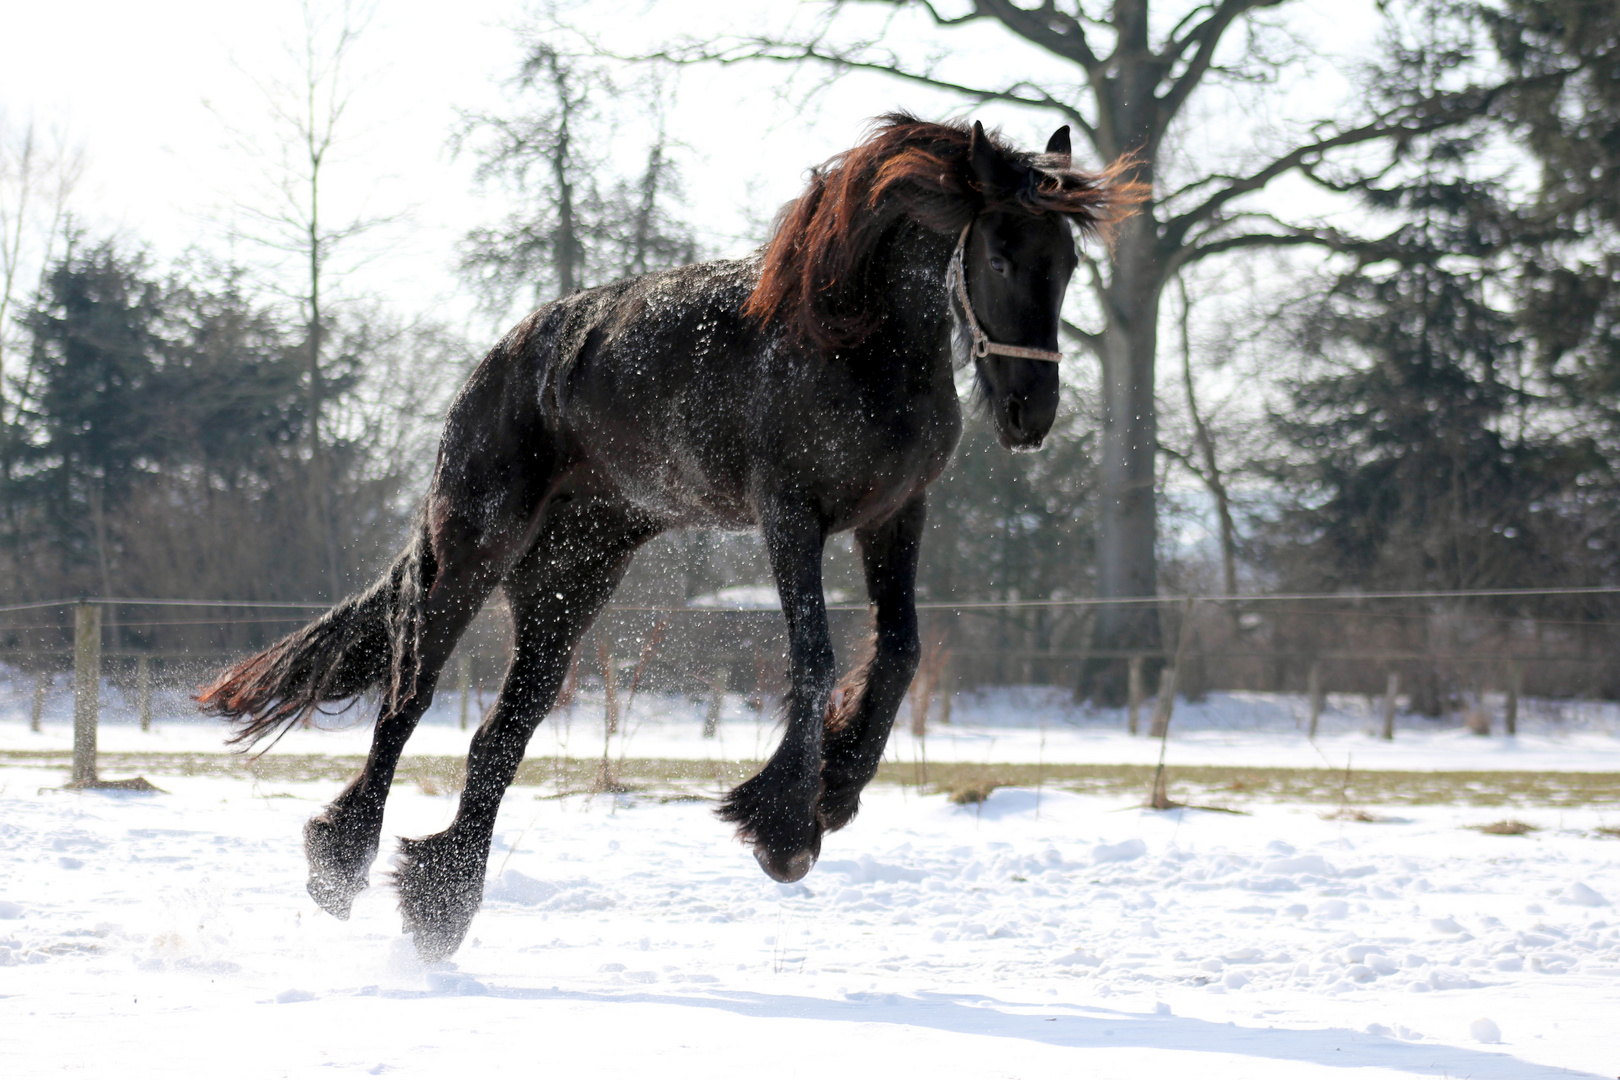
(155, 442)
(1426, 396)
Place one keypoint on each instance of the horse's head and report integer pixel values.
(1012, 263)
(1016, 266)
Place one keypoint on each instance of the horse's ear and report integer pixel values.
(1058, 144)
(992, 172)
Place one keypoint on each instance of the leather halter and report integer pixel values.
(982, 345)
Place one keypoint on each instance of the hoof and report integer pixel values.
(441, 886)
(337, 867)
(838, 806)
(786, 870)
(779, 821)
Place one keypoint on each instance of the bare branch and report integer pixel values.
(1207, 35)
(1184, 460)
(751, 49)
(1175, 44)
(1091, 341)
(1327, 238)
(940, 19)
(1428, 114)
(1056, 32)
(1177, 227)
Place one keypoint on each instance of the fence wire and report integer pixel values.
(1442, 646)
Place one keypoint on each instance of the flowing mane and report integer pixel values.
(814, 279)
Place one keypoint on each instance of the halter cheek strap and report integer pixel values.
(982, 345)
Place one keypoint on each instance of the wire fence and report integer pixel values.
(1443, 648)
(1439, 652)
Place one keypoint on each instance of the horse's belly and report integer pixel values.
(675, 485)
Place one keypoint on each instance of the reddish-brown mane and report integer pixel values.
(812, 282)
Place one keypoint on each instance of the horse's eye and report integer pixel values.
(998, 264)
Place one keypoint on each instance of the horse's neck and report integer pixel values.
(911, 270)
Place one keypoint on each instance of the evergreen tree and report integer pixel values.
(90, 428)
(1565, 109)
(1005, 526)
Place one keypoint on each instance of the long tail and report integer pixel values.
(368, 641)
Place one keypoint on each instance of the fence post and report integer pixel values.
(1313, 688)
(1164, 704)
(464, 684)
(1134, 709)
(610, 689)
(1392, 688)
(711, 720)
(1510, 713)
(41, 681)
(922, 695)
(143, 691)
(86, 690)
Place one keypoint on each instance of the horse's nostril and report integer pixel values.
(1015, 415)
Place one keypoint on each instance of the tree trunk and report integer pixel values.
(320, 493)
(565, 246)
(651, 180)
(1127, 526)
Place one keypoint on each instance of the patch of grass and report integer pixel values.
(1350, 813)
(657, 777)
(972, 793)
(1608, 830)
(1505, 827)
(435, 785)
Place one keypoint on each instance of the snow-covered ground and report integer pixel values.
(1038, 935)
(1002, 726)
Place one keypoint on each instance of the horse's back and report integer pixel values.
(649, 381)
(666, 394)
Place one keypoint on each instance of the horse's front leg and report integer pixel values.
(858, 724)
(776, 810)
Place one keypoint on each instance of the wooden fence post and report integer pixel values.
(1164, 704)
(1134, 709)
(41, 682)
(1313, 688)
(86, 690)
(464, 683)
(1510, 713)
(605, 778)
(1392, 688)
(922, 693)
(610, 688)
(711, 720)
(143, 691)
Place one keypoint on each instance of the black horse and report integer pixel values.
(803, 391)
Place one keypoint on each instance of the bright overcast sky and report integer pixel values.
(150, 89)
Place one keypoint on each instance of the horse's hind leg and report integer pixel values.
(556, 592)
(340, 842)
(858, 726)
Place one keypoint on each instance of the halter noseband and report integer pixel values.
(982, 345)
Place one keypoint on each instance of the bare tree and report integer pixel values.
(1133, 77)
(1203, 460)
(308, 118)
(572, 225)
(38, 173)
(537, 157)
